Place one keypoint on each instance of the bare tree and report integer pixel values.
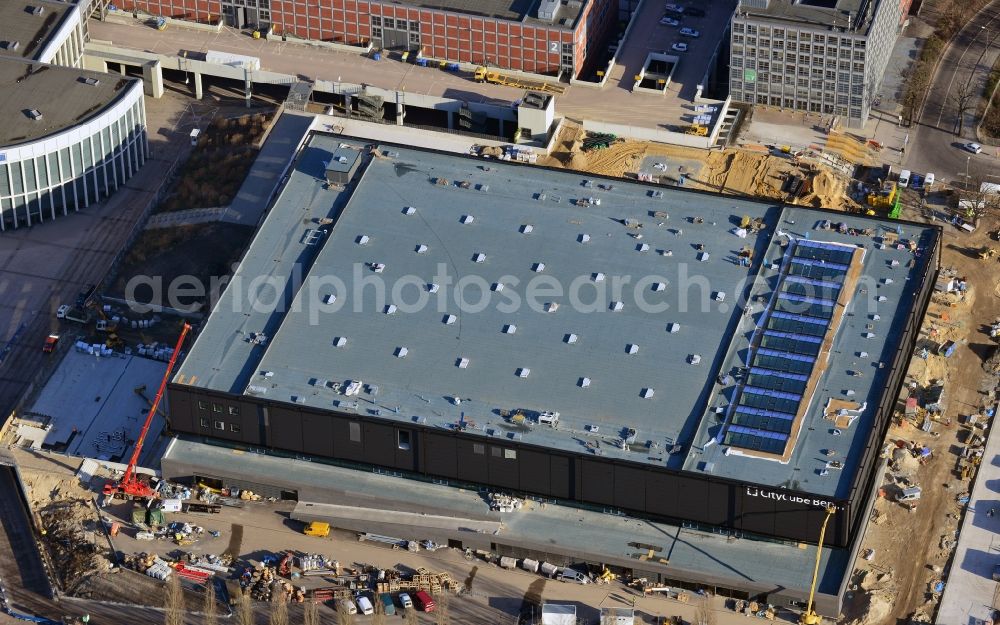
(173, 601)
(964, 100)
(279, 607)
(379, 617)
(343, 616)
(244, 609)
(705, 614)
(310, 613)
(410, 617)
(210, 608)
(443, 615)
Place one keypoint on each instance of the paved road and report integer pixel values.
(48, 264)
(612, 104)
(933, 145)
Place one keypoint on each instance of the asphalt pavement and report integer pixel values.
(933, 145)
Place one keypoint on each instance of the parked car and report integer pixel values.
(61, 313)
(576, 577)
(975, 148)
(674, 8)
(50, 343)
(347, 606)
(669, 21)
(690, 32)
(405, 601)
(694, 11)
(679, 47)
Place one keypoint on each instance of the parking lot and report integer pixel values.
(649, 35)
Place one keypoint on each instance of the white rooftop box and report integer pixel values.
(570, 338)
(390, 309)
(409, 210)
(401, 352)
(421, 248)
(523, 372)
(584, 382)
(467, 219)
(339, 341)
(479, 257)
(463, 363)
(363, 239)
(509, 329)
(616, 306)
(583, 238)
(632, 348)
(537, 267)
(527, 228)
(450, 319)
(646, 393)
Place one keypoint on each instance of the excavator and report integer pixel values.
(809, 617)
(131, 486)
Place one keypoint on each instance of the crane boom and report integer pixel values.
(809, 617)
(129, 483)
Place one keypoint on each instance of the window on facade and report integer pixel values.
(202, 405)
(355, 432)
(377, 32)
(203, 422)
(415, 37)
(817, 38)
(216, 407)
(403, 440)
(376, 20)
(510, 454)
(496, 452)
(415, 26)
(761, 99)
(766, 43)
(388, 22)
(479, 449)
(234, 410)
(220, 425)
(234, 428)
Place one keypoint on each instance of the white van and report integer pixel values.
(929, 182)
(365, 606)
(548, 418)
(904, 178)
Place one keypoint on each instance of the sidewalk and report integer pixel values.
(970, 590)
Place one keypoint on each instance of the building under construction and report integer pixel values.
(704, 363)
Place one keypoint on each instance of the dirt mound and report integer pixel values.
(876, 612)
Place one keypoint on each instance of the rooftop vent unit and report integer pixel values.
(449, 320)
(497, 287)
(462, 363)
(646, 393)
(547, 10)
(527, 228)
(409, 210)
(642, 247)
(616, 306)
(479, 257)
(583, 382)
(330, 299)
(363, 239)
(401, 352)
(754, 4)
(432, 287)
(467, 219)
(509, 328)
(583, 238)
(390, 309)
(36, 10)
(420, 249)
(570, 338)
(597, 277)
(538, 267)
(659, 286)
(339, 341)
(632, 348)
(93, 82)
(523, 372)
(10, 45)
(673, 327)
(34, 114)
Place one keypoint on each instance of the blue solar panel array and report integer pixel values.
(785, 357)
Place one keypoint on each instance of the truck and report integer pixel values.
(233, 60)
(484, 74)
(69, 313)
(317, 528)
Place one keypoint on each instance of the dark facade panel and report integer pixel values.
(348, 439)
(535, 471)
(317, 435)
(561, 477)
(471, 458)
(285, 431)
(598, 481)
(438, 454)
(630, 488)
(503, 462)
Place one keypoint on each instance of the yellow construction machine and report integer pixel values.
(809, 617)
(697, 129)
(485, 74)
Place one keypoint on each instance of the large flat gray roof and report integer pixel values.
(60, 94)
(503, 350)
(19, 23)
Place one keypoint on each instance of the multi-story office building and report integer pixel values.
(820, 56)
(549, 37)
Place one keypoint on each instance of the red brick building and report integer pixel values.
(539, 36)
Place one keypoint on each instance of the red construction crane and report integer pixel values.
(130, 485)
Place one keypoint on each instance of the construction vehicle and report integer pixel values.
(697, 129)
(809, 617)
(987, 253)
(599, 141)
(605, 576)
(131, 486)
(484, 74)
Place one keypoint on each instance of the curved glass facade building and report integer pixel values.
(70, 138)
